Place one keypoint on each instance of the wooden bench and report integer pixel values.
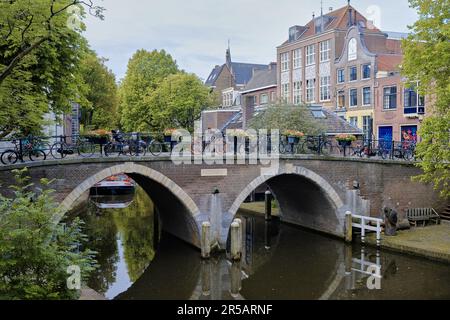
(422, 215)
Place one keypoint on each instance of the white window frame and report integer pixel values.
(311, 55)
(284, 57)
(285, 92)
(350, 98)
(325, 51)
(362, 95)
(350, 74)
(337, 75)
(325, 88)
(297, 58)
(297, 92)
(261, 100)
(311, 98)
(362, 71)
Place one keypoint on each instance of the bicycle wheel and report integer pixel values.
(59, 150)
(155, 148)
(86, 149)
(112, 150)
(37, 155)
(9, 157)
(326, 149)
(408, 155)
(384, 154)
(138, 149)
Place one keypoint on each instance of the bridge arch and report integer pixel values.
(320, 208)
(180, 213)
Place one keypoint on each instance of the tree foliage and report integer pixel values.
(146, 71)
(39, 62)
(102, 102)
(178, 102)
(427, 59)
(35, 252)
(287, 117)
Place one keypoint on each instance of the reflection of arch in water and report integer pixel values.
(180, 212)
(305, 199)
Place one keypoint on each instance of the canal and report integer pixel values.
(136, 260)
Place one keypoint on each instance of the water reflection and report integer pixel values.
(120, 230)
(279, 262)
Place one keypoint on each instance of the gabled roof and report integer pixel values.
(211, 80)
(337, 19)
(336, 125)
(243, 72)
(262, 79)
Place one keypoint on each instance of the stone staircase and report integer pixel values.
(445, 215)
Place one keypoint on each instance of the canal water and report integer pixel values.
(279, 262)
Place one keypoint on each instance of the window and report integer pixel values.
(325, 88)
(367, 127)
(310, 55)
(264, 98)
(390, 98)
(311, 90)
(367, 96)
(353, 71)
(354, 121)
(409, 133)
(325, 51)
(353, 97)
(341, 99)
(341, 76)
(297, 92)
(366, 71)
(413, 102)
(285, 61)
(227, 99)
(297, 58)
(285, 92)
(352, 50)
(272, 96)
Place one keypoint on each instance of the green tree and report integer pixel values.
(146, 71)
(287, 117)
(101, 110)
(427, 60)
(39, 63)
(178, 102)
(25, 25)
(35, 252)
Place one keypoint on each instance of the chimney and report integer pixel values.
(272, 66)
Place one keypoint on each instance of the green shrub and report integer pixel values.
(35, 252)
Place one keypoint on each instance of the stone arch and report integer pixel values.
(312, 178)
(179, 199)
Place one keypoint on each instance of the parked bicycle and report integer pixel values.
(28, 147)
(370, 149)
(119, 145)
(82, 146)
(404, 150)
(316, 145)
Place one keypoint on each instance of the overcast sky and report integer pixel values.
(196, 32)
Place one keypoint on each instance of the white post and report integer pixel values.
(378, 233)
(236, 244)
(206, 240)
(363, 230)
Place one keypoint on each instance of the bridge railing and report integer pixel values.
(19, 148)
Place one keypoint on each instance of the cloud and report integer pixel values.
(196, 32)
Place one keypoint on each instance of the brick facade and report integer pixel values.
(312, 192)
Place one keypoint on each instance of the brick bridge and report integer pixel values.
(313, 192)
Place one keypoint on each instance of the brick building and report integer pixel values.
(230, 78)
(342, 61)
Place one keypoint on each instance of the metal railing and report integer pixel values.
(140, 144)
